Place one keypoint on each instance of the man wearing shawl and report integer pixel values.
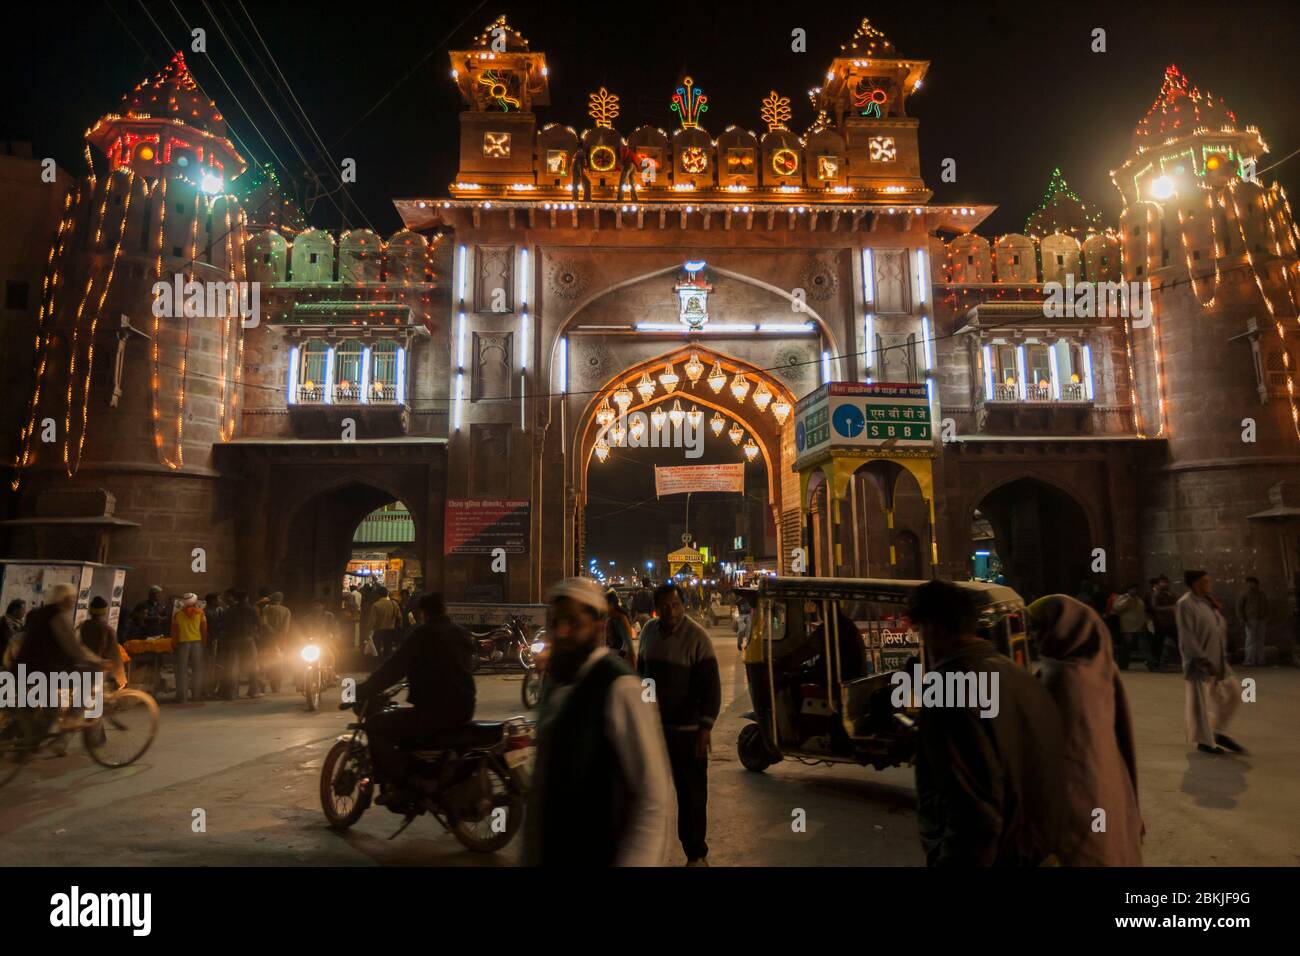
(1080, 674)
(1212, 691)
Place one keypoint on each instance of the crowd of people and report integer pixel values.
(1144, 621)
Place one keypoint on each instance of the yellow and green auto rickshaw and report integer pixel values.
(823, 693)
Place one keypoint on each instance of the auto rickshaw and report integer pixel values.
(820, 659)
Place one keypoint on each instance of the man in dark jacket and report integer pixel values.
(241, 626)
(677, 654)
(988, 780)
(435, 659)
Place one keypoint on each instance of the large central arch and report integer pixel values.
(773, 437)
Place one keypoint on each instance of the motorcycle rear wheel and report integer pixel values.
(340, 811)
(483, 836)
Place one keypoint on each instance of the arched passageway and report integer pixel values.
(1040, 535)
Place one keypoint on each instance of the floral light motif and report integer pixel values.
(689, 104)
(498, 90)
(603, 108)
(775, 111)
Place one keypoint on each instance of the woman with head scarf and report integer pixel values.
(1103, 821)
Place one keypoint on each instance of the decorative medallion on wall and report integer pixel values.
(793, 364)
(594, 364)
(820, 278)
(565, 280)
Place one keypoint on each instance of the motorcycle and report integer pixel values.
(473, 779)
(318, 672)
(502, 646)
(539, 651)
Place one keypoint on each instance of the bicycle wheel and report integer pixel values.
(125, 731)
(18, 737)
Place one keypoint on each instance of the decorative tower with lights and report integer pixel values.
(501, 81)
(1215, 363)
(131, 392)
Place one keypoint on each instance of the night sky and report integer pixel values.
(1013, 90)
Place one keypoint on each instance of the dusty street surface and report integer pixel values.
(253, 766)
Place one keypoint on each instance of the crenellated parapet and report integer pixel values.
(1016, 259)
(357, 257)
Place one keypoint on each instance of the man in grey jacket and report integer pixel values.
(677, 655)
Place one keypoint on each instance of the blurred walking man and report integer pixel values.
(599, 793)
(677, 654)
(1252, 608)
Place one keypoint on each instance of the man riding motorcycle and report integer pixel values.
(320, 628)
(435, 659)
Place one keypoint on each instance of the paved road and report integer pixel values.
(253, 766)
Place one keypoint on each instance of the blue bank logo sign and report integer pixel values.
(854, 415)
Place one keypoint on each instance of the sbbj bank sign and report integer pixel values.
(855, 415)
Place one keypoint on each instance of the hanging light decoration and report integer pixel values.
(602, 450)
(668, 378)
(694, 368)
(617, 433)
(604, 414)
(717, 378)
(762, 396)
(645, 387)
(740, 388)
(677, 414)
(735, 433)
(781, 409)
(751, 450)
(637, 428)
(695, 417)
(623, 398)
(717, 423)
(657, 417)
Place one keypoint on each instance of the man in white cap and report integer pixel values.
(601, 788)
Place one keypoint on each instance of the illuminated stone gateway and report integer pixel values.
(476, 352)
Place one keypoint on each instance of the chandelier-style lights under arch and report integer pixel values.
(617, 427)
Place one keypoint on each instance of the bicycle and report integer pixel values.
(116, 738)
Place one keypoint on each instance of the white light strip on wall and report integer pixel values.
(523, 342)
(920, 276)
(870, 345)
(523, 402)
(292, 393)
(564, 366)
(460, 277)
(1087, 371)
(925, 343)
(524, 278)
(1020, 371)
(460, 396)
(929, 392)
(868, 279)
(365, 375)
(329, 376)
(401, 375)
(1056, 376)
(826, 367)
(785, 326)
(988, 373)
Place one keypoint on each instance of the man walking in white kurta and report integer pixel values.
(1212, 691)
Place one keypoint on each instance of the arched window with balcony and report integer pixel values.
(348, 371)
(313, 372)
(385, 384)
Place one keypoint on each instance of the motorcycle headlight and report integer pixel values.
(311, 653)
(537, 647)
